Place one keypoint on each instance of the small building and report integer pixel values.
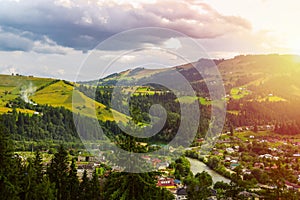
(227, 159)
(166, 183)
(86, 158)
(163, 165)
(292, 186)
(234, 165)
(230, 150)
(181, 194)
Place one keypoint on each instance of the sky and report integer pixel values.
(88, 39)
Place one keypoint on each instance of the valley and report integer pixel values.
(260, 135)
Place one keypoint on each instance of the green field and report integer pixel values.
(239, 92)
(11, 87)
(62, 94)
(54, 93)
(204, 101)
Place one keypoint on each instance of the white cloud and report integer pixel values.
(172, 43)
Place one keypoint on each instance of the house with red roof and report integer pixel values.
(166, 183)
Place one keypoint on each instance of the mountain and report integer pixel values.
(259, 75)
(260, 89)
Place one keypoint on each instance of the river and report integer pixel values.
(198, 166)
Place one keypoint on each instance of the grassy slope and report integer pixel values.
(57, 94)
(61, 94)
(10, 87)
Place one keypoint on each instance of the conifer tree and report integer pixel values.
(9, 168)
(58, 173)
(73, 182)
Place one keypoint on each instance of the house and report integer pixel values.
(234, 165)
(267, 156)
(80, 169)
(86, 159)
(239, 129)
(162, 165)
(200, 140)
(246, 171)
(81, 158)
(117, 169)
(177, 182)
(292, 186)
(230, 150)
(227, 159)
(234, 161)
(181, 194)
(166, 183)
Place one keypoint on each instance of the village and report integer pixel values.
(257, 157)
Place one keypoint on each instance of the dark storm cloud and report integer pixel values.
(82, 25)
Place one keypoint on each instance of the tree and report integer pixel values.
(9, 168)
(58, 173)
(198, 187)
(134, 186)
(35, 187)
(213, 162)
(95, 186)
(38, 166)
(84, 187)
(73, 182)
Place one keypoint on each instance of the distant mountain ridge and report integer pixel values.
(255, 71)
(251, 82)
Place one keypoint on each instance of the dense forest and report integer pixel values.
(58, 123)
(31, 179)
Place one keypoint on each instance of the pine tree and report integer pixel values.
(38, 166)
(58, 173)
(84, 187)
(9, 168)
(95, 186)
(73, 182)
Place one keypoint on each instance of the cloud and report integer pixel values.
(173, 43)
(15, 40)
(12, 42)
(81, 25)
